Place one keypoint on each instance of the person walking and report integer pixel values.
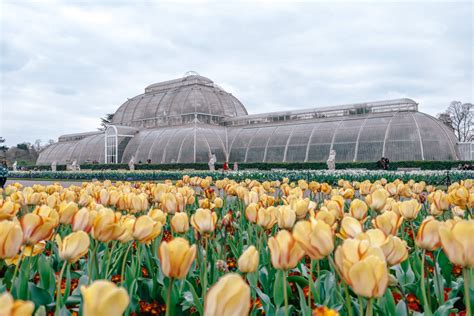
(3, 174)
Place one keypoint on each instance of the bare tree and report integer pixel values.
(104, 121)
(51, 141)
(37, 144)
(460, 118)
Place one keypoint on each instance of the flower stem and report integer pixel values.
(467, 296)
(310, 281)
(204, 281)
(22, 253)
(58, 290)
(110, 258)
(348, 300)
(318, 273)
(93, 265)
(168, 298)
(124, 263)
(426, 306)
(361, 306)
(369, 311)
(285, 294)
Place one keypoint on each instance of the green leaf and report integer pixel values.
(197, 301)
(278, 295)
(445, 309)
(401, 309)
(305, 310)
(388, 303)
(41, 311)
(38, 295)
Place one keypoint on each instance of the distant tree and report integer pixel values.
(37, 144)
(51, 141)
(23, 146)
(3, 147)
(460, 118)
(106, 120)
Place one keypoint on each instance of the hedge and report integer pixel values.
(424, 165)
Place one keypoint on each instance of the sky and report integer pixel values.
(65, 64)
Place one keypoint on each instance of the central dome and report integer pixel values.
(179, 101)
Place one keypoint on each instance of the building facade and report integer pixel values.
(187, 120)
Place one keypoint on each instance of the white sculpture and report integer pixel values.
(131, 163)
(212, 162)
(53, 166)
(75, 166)
(14, 166)
(331, 162)
(236, 166)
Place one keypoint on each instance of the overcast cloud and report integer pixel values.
(65, 64)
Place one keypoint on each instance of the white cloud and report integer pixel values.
(64, 64)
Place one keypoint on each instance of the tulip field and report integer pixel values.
(219, 246)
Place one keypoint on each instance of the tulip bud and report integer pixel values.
(11, 307)
(11, 239)
(67, 211)
(176, 257)
(395, 250)
(438, 202)
(363, 267)
(409, 209)
(35, 228)
(8, 209)
(286, 217)
(285, 252)
(106, 226)
(456, 239)
(127, 223)
(229, 296)
(248, 261)
(377, 199)
(251, 212)
(459, 196)
(315, 237)
(428, 234)
(83, 220)
(180, 223)
(358, 209)
(169, 204)
(388, 222)
(145, 229)
(103, 298)
(158, 215)
(73, 247)
(48, 214)
(266, 217)
(204, 221)
(350, 228)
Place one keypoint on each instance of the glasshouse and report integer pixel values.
(190, 119)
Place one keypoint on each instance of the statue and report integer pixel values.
(14, 166)
(75, 166)
(131, 163)
(212, 162)
(53, 166)
(331, 162)
(236, 166)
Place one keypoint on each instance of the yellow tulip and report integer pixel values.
(106, 226)
(11, 239)
(350, 228)
(266, 217)
(103, 298)
(374, 236)
(218, 202)
(104, 197)
(158, 215)
(301, 207)
(169, 204)
(358, 209)
(428, 234)
(229, 296)
(388, 222)
(327, 217)
(395, 250)
(204, 221)
(67, 211)
(83, 220)
(127, 223)
(456, 239)
(286, 217)
(251, 212)
(180, 223)
(73, 246)
(8, 209)
(377, 199)
(363, 267)
(11, 307)
(48, 214)
(315, 237)
(248, 261)
(285, 251)
(459, 196)
(35, 228)
(28, 251)
(409, 209)
(438, 202)
(176, 257)
(145, 229)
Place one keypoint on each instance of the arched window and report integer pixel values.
(111, 144)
